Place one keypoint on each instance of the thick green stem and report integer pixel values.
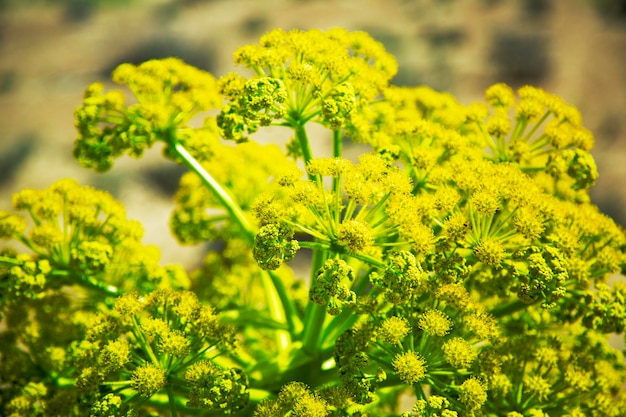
(172, 400)
(337, 195)
(315, 313)
(305, 147)
(276, 309)
(337, 144)
(286, 303)
(233, 209)
(279, 304)
(303, 140)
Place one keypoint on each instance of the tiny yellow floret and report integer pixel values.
(148, 379)
(394, 329)
(410, 367)
(435, 322)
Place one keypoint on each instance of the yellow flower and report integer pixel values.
(148, 379)
(394, 329)
(435, 322)
(459, 352)
(410, 367)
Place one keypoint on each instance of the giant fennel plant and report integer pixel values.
(457, 267)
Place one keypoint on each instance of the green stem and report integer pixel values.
(286, 303)
(112, 383)
(337, 144)
(303, 140)
(510, 308)
(69, 277)
(368, 260)
(172, 400)
(337, 197)
(10, 261)
(520, 126)
(537, 125)
(277, 312)
(305, 147)
(337, 325)
(279, 304)
(314, 246)
(145, 344)
(235, 212)
(315, 313)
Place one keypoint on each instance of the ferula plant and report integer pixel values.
(457, 267)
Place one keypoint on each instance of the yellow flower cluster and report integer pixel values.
(301, 76)
(460, 258)
(148, 339)
(573, 373)
(81, 236)
(356, 224)
(547, 137)
(169, 94)
(294, 399)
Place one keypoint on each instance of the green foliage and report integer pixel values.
(458, 267)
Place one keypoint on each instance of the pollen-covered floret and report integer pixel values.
(294, 399)
(546, 275)
(537, 386)
(355, 236)
(338, 105)
(434, 322)
(109, 405)
(115, 354)
(500, 95)
(393, 329)
(214, 388)
(148, 379)
(10, 224)
(489, 251)
(22, 276)
(433, 405)
(91, 256)
(410, 367)
(473, 394)
(459, 352)
(85, 232)
(605, 309)
(483, 325)
(257, 102)
(576, 164)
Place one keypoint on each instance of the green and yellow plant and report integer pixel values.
(457, 268)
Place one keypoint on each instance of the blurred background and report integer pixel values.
(50, 50)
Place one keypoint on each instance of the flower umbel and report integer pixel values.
(457, 263)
